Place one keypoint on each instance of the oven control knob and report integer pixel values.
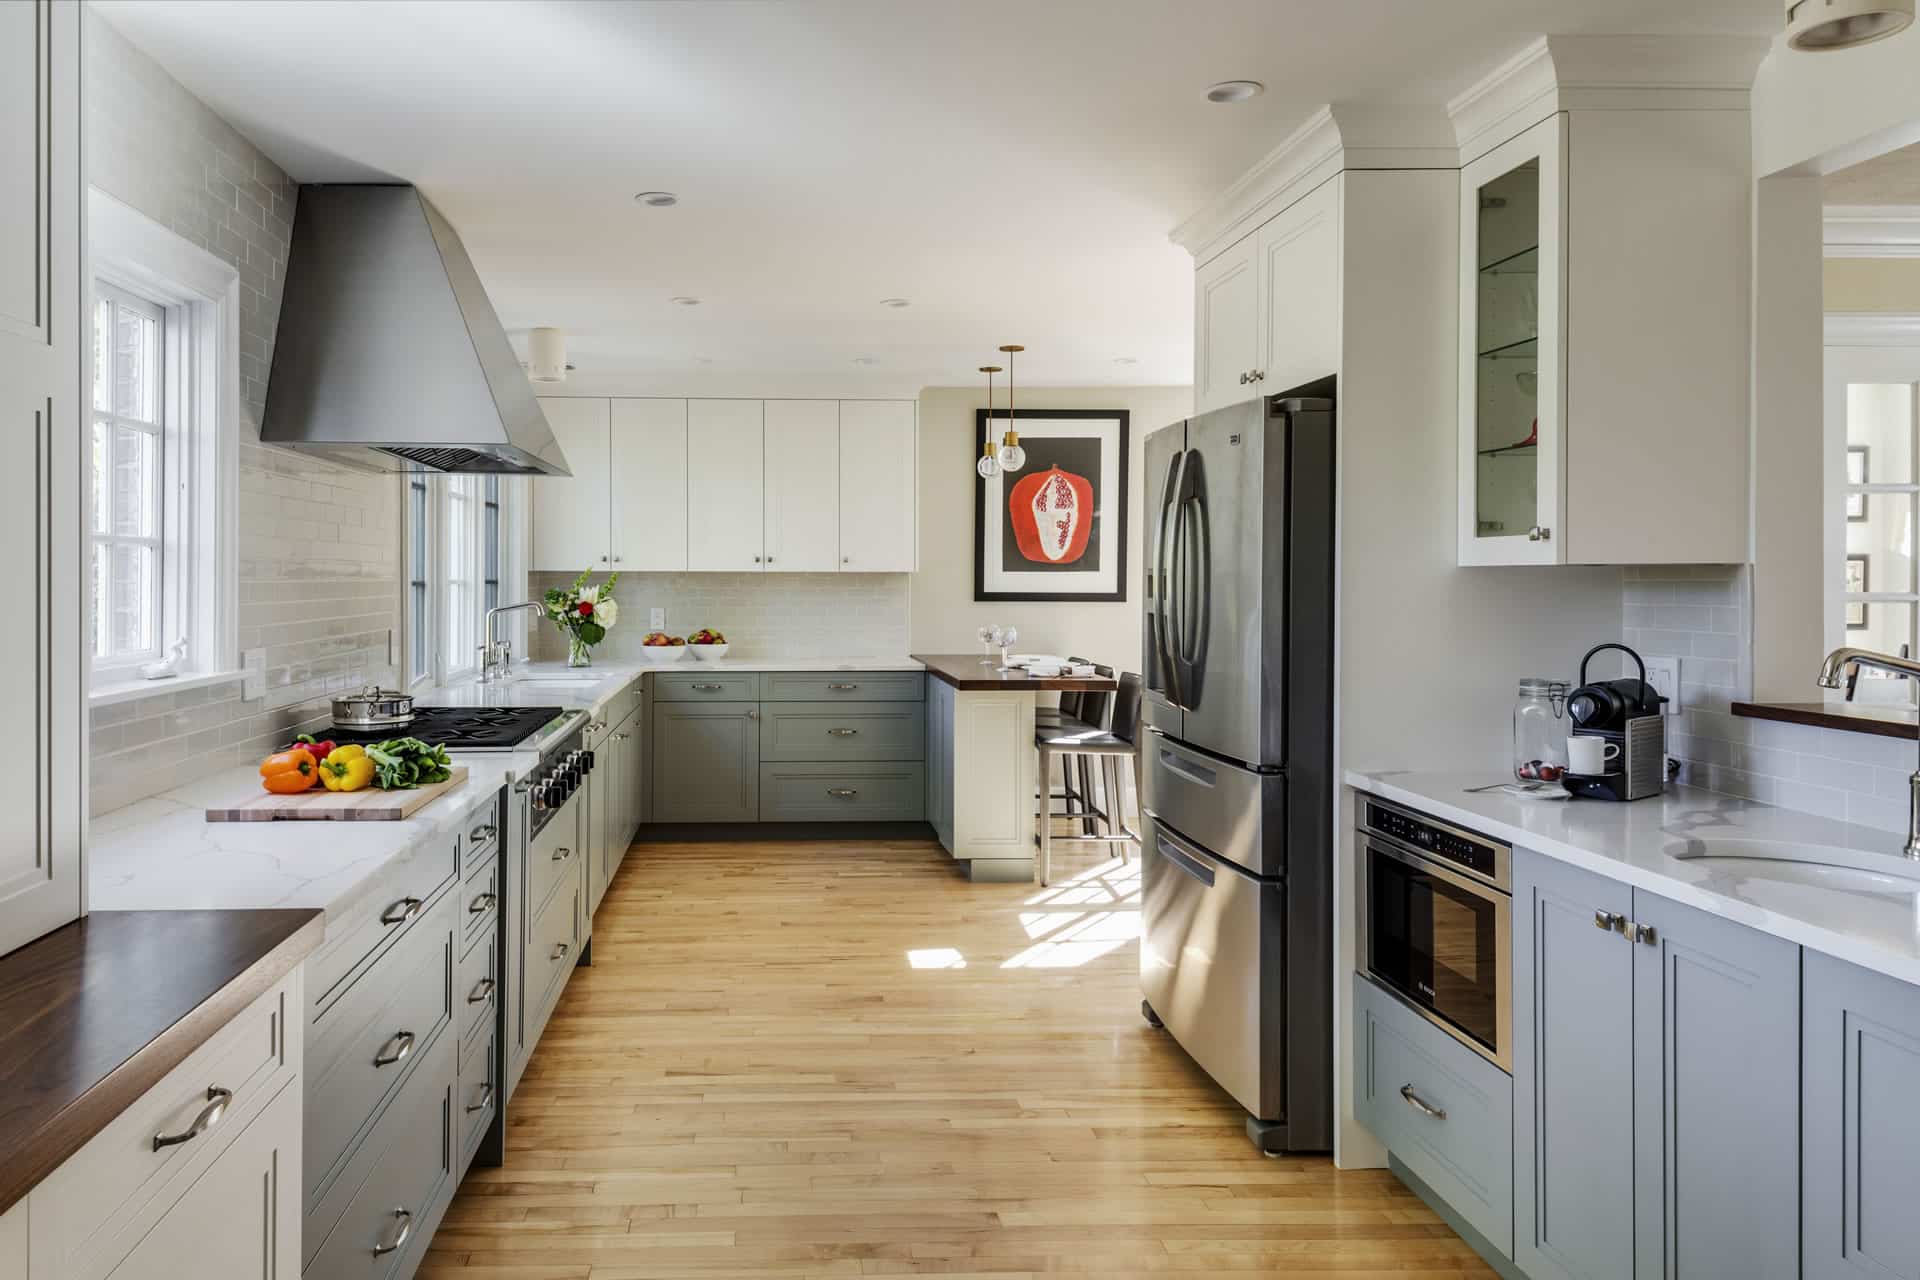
(539, 796)
(586, 761)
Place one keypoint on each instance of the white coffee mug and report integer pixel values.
(1587, 754)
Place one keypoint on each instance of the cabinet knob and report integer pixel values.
(616, 559)
(1609, 921)
(1539, 533)
(1642, 933)
(846, 559)
(753, 715)
(603, 559)
(769, 559)
(1243, 379)
(756, 559)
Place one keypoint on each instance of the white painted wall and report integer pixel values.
(1817, 112)
(944, 615)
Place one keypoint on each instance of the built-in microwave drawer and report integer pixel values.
(1442, 1109)
(1233, 812)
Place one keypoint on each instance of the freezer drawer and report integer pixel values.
(1210, 965)
(1230, 811)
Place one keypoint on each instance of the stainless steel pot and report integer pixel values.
(373, 708)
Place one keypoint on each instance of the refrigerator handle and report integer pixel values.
(1196, 639)
(1164, 621)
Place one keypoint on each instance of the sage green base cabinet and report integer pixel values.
(813, 746)
(1656, 1063)
(1860, 1104)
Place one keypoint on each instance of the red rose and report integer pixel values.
(586, 608)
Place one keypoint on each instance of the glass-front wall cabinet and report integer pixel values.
(1509, 438)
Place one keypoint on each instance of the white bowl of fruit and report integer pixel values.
(708, 645)
(660, 648)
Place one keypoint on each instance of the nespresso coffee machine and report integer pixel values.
(1626, 713)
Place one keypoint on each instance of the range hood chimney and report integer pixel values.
(389, 356)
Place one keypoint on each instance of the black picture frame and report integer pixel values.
(1857, 502)
(1031, 424)
(1857, 609)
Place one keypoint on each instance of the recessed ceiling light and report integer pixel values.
(864, 360)
(895, 303)
(1125, 360)
(1844, 24)
(658, 199)
(703, 359)
(1235, 91)
(684, 301)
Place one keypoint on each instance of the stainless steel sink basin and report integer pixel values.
(1853, 871)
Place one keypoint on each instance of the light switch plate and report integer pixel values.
(253, 679)
(657, 620)
(1664, 675)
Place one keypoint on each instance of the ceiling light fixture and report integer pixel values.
(1235, 91)
(657, 199)
(1817, 26)
(547, 355)
(684, 301)
(1012, 456)
(989, 465)
(895, 303)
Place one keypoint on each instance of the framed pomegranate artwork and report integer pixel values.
(1056, 529)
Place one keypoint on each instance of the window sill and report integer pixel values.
(109, 692)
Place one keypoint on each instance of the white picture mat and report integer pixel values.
(1106, 491)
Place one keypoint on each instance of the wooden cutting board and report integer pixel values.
(320, 804)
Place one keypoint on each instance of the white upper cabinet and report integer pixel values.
(570, 514)
(879, 478)
(802, 486)
(725, 485)
(1226, 341)
(42, 310)
(1605, 241)
(1267, 309)
(649, 485)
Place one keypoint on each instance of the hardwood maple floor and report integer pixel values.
(838, 1059)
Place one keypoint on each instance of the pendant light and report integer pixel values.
(989, 464)
(1012, 456)
(1816, 25)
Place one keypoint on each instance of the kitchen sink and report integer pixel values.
(1860, 872)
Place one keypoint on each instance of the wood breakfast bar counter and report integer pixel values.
(981, 762)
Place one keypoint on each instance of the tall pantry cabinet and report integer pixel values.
(41, 379)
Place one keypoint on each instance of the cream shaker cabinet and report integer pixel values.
(730, 486)
(42, 311)
(1267, 309)
(1604, 368)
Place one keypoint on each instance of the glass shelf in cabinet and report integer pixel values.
(1526, 262)
(1525, 349)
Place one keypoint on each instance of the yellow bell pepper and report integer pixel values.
(346, 769)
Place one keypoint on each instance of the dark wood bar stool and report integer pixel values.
(1079, 746)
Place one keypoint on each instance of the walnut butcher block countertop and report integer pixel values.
(965, 671)
(96, 1012)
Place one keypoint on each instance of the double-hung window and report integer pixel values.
(456, 553)
(136, 574)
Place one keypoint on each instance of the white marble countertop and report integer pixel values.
(1877, 928)
(161, 853)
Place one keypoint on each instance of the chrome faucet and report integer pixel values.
(1838, 672)
(497, 655)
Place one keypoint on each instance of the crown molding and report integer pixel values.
(1335, 137)
(1870, 231)
(1603, 73)
(1871, 329)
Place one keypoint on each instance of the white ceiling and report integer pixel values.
(1011, 166)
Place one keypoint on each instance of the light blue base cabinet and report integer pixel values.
(1656, 1072)
(1861, 1109)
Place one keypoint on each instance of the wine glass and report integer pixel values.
(1007, 638)
(989, 636)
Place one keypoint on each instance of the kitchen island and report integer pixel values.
(981, 762)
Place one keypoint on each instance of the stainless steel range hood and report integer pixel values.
(388, 355)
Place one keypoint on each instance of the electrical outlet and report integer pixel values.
(657, 620)
(1664, 675)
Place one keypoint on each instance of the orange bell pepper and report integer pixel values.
(288, 773)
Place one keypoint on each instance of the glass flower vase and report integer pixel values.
(579, 653)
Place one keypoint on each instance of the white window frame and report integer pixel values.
(199, 295)
(172, 571)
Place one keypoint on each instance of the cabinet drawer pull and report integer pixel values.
(842, 688)
(707, 688)
(842, 792)
(560, 950)
(401, 911)
(486, 1100)
(1608, 921)
(398, 1049)
(1420, 1104)
(1642, 933)
(482, 991)
(403, 1220)
(621, 737)
(562, 853)
(842, 733)
(486, 831)
(481, 904)
(217, 1100)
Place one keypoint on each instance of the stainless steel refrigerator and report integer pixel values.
(1236, 957)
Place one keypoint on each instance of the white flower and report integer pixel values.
(606, 611)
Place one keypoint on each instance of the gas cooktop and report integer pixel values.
(465, 728)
